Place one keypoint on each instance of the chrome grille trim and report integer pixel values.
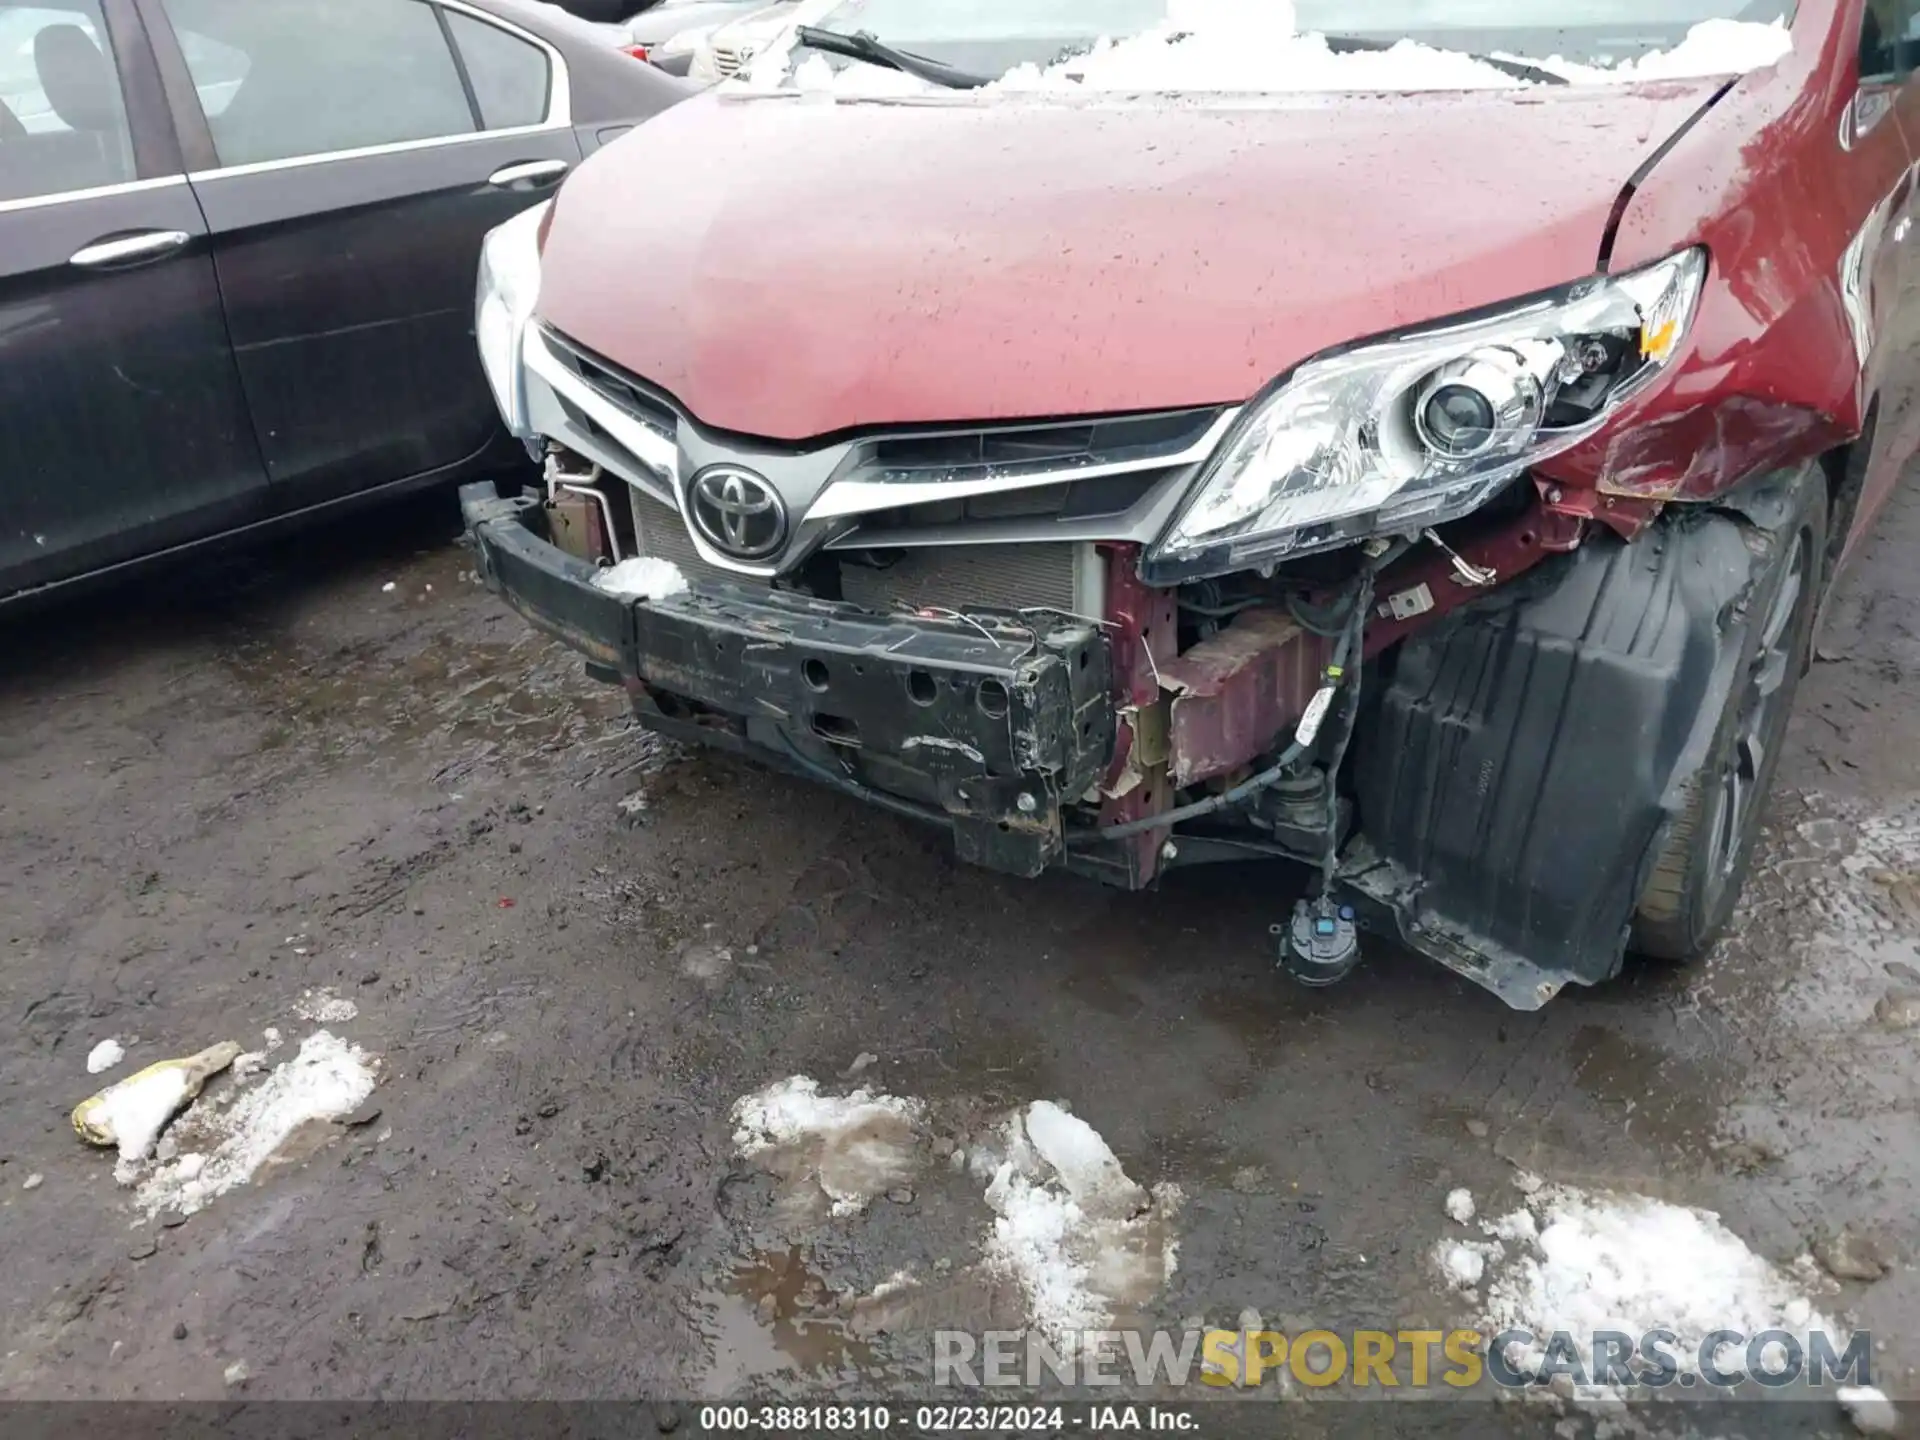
(863, 491)
(642, 437)
(860, 496)
(632, 397)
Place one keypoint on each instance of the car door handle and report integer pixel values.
(130, 249)
(528, 174)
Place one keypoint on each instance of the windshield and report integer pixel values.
(992, 37)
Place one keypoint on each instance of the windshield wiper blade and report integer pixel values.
(1519, 69)
(861, 45)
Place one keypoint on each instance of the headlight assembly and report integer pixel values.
(1401, 434)
(509, 285)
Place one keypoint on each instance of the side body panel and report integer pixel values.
(1800, 181)
(122, 424)
(348, 282)
(349, 288)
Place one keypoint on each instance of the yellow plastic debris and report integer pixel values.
(132, 1112)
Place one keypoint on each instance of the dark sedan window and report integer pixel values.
(63, 126)
(1889, 40)
(319, 76)
(510, 77)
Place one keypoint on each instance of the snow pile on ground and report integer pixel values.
(135, 1111)
(1871, 1412)
(325, 1080)
(644, 578)
(1077, 1234)
(1256, 47)
(853, 1147)
(323, 1007)
(1081, 1240)
(1579, 1262)
(255, 1060)
(104, 1056)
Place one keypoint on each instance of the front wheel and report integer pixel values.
(1703, 865)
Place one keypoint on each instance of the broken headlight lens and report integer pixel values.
(509, 284)
(1405, 433)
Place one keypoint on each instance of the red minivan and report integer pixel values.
(1410, 438)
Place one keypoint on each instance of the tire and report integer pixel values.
(1703, 865)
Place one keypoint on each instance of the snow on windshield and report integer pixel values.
(1256, 46)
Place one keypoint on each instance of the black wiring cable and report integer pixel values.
(1167, 819)
(1349, 718)
(1338, 673)
(1327, 627)
(1221, 612)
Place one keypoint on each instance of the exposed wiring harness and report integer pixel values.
(1349, 718)
(1339, 680)
(1342, 673)
(1327, 624)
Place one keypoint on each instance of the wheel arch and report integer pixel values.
(1524, 760)
(1845, 468)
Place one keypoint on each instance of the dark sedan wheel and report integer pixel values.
(1700, 872)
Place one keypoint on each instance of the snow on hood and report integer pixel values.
(1256, 46)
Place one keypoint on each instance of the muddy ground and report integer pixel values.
(340, 764)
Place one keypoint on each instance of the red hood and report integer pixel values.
(788, 267)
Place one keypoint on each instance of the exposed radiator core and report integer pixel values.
(1000, 577)
(1060, 575)
(662, 532)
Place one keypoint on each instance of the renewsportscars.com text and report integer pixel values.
(1396, 1359)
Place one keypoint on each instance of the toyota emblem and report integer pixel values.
(737, 512)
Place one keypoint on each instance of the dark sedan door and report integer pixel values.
(351, 155)
(122, 427)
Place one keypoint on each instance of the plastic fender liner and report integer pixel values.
(1522, 759)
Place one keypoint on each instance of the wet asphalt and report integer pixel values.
(341, 763)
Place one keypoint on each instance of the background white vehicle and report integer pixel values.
(728, 49)
(672, 33)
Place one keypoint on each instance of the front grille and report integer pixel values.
(1043, 575)
(1075, 500)
(614, 385)
(1013, 449)
(1002, 515)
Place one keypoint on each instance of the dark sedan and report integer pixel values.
(238, 243)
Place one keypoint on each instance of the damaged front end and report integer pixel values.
(1345, 624)
(1530, 711)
